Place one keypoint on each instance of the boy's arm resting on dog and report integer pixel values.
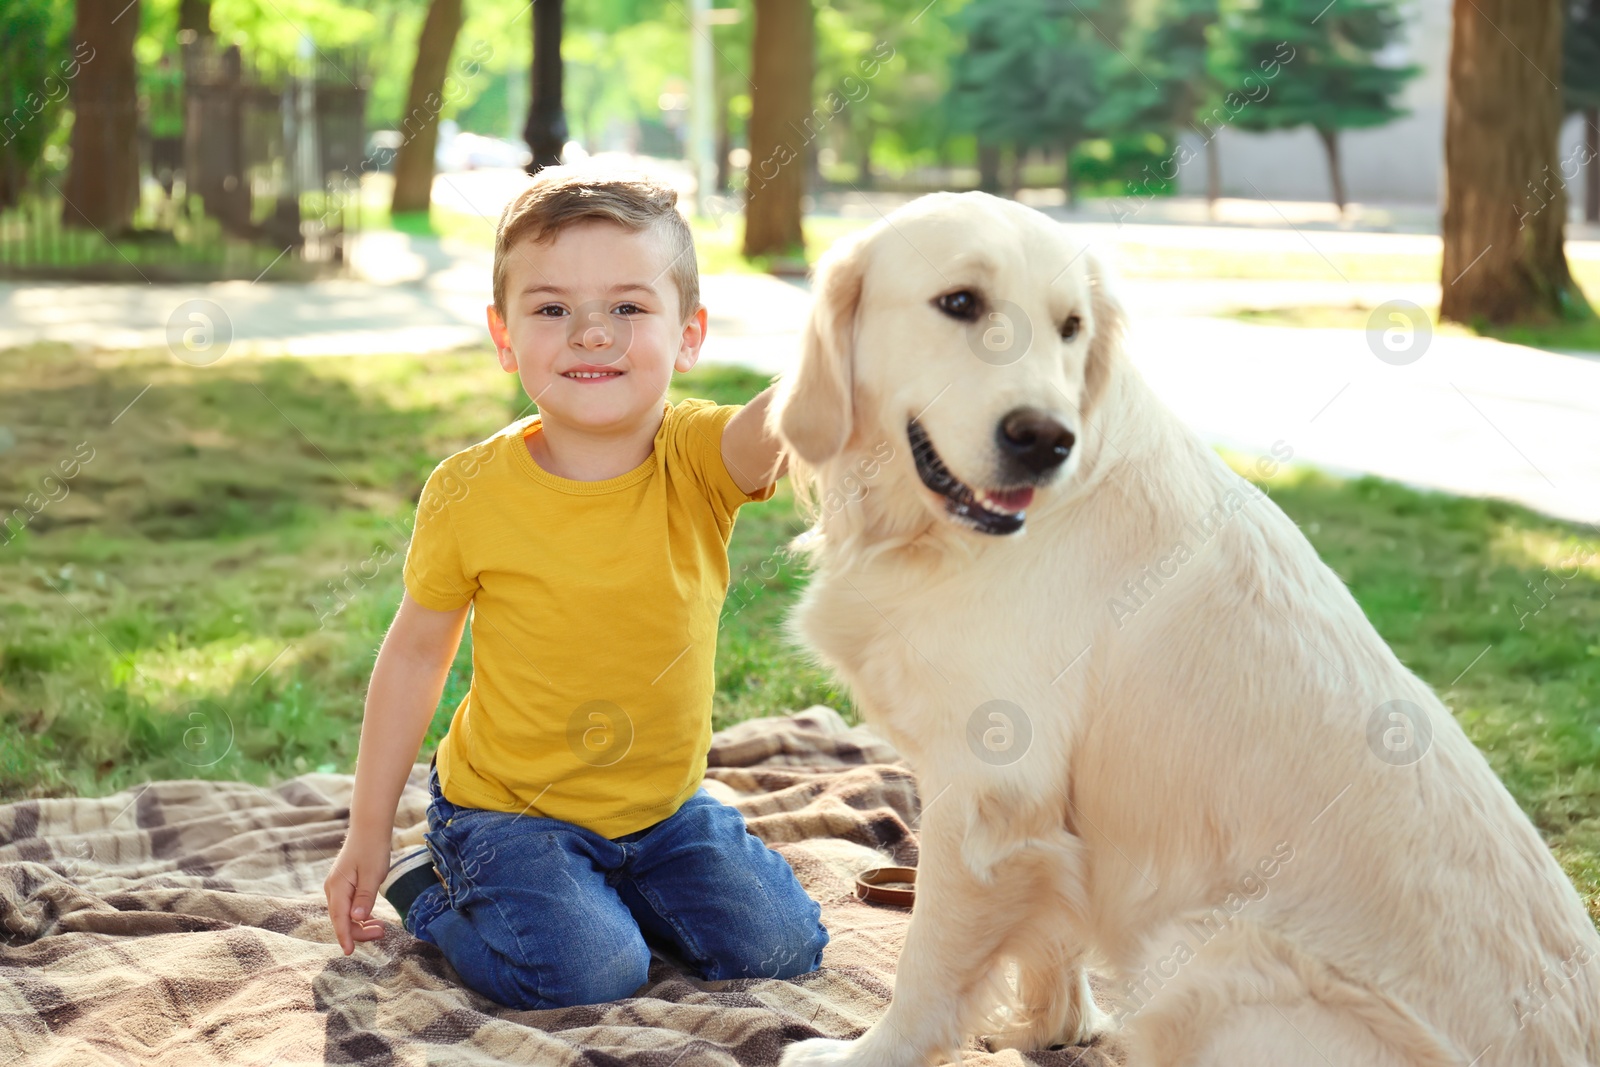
(754, 458)
(407, 680)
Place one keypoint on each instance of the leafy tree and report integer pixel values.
(35, 73)
(1168, 82)
(271, 33)
(892, 67)
(1333, 79)
(1033, 71)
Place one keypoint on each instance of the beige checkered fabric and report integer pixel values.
(183, 922)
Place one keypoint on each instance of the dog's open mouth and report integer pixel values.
(990, 511)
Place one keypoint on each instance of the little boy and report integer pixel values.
(568, 830)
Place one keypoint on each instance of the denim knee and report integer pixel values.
(581, 975)
(581, 978)
(781, 949)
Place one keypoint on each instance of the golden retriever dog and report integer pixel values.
(1154, 734)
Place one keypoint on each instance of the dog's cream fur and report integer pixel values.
(1200, 809)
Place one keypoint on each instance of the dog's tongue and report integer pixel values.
(1010, 499)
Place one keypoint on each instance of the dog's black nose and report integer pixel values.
(1034, 440)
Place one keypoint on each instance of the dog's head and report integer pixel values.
(971, 336)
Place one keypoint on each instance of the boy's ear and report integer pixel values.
(694, 335)
(502, 340)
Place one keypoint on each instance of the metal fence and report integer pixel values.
(260, 181)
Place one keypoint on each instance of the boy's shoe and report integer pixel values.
(407, 878)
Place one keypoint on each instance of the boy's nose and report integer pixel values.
(593, 330)
(593, 327)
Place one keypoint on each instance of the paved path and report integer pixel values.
(1469, 416)
(421, 298)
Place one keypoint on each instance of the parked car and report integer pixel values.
(471, 151)
(381, 148)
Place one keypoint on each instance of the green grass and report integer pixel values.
(190, 566)
(161, 619)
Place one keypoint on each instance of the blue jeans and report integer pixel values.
(543, 913)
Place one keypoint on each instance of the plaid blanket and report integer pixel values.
(184, 922)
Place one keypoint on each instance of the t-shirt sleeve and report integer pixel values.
(699, 441)
(435, 573)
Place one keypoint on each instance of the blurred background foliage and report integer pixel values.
(1100, 80)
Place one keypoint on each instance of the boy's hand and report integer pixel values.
(352, 888)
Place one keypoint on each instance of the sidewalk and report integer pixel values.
(1469, 416)
(418, 297)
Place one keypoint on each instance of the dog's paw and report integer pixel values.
(1027, 1040)
(818, 1052)
(1021, 1040)
(1087, 1023)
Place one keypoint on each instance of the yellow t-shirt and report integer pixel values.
(594, 621)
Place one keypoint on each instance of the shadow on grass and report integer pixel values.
(206, 595)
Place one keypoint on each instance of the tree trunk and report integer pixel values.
(1066, 170)
(413, 164)
(101, 188)
(1591, 184)
(546, 132)
(1330, 145)
(194, 15)
(988, 166)
(1213, 177)
(780, 104)
(1503, 254)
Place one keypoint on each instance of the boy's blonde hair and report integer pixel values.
(559, 196)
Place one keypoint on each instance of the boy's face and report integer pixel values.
(595, 300)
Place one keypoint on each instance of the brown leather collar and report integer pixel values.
(869, 885)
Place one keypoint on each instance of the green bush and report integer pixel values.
(1107, 166)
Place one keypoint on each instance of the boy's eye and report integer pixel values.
(630, 309)
(550, 311)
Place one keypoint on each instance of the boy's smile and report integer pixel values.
(594, 330)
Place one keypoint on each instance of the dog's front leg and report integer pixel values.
(961, 918)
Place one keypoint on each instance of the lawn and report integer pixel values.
(202, 597)
(205, 599)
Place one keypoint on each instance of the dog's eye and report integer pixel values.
(1069, 329)
(961, 304)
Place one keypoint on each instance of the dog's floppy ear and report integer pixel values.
(1110, 327)
(812, 406)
